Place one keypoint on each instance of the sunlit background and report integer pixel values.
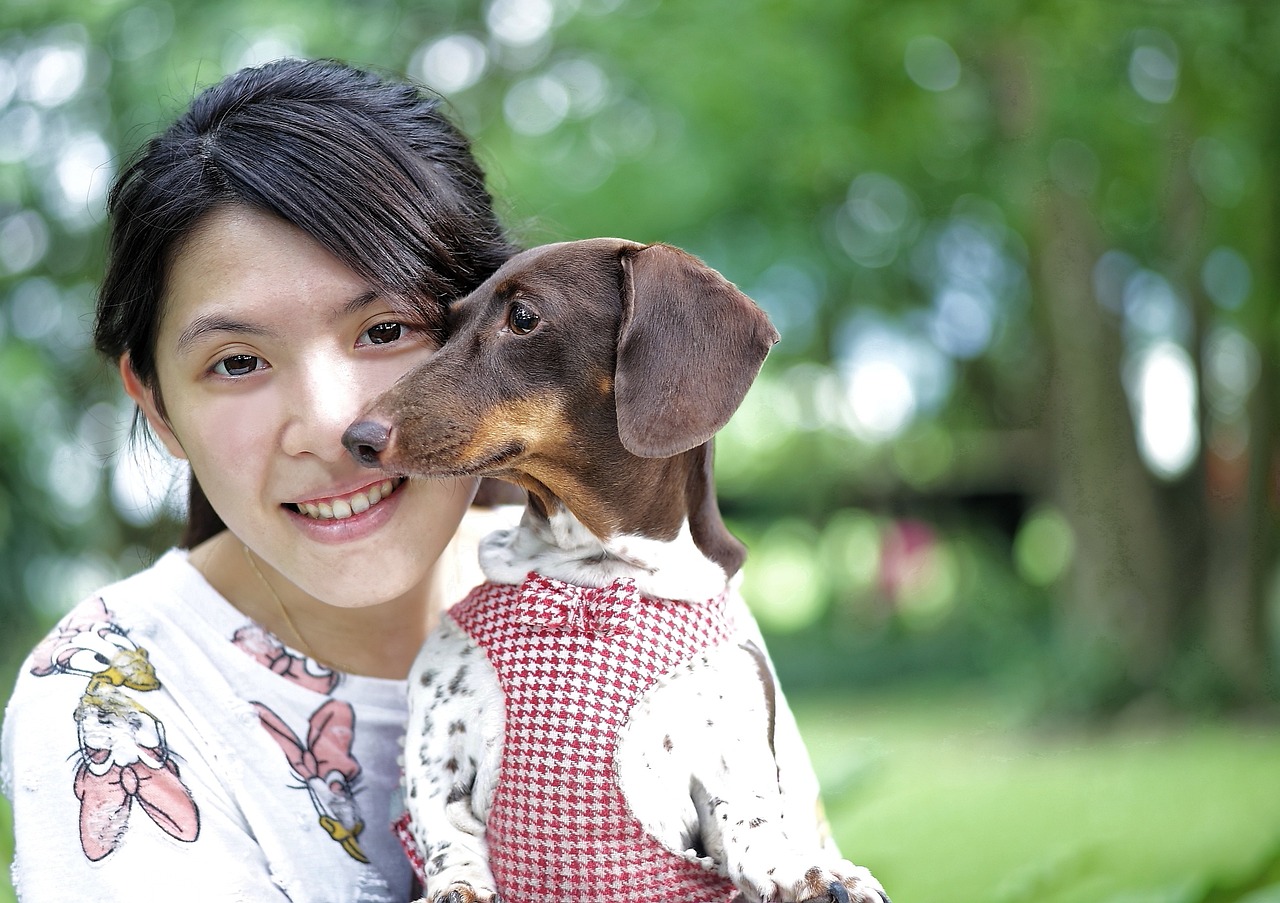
(1009, 481)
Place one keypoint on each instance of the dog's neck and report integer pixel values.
(560, 547)
(665, 534)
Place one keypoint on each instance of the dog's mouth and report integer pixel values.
(446, 463)
(496, 462)
(343, 507)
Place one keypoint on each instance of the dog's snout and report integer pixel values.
(366, 440)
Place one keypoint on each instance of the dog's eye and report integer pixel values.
(522, 320)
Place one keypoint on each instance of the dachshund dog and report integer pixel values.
(599, 721)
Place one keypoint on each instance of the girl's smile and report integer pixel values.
(347, 518)
(345, 506)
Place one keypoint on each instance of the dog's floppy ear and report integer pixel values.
(689, 347)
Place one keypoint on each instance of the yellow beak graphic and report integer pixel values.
(348, 839)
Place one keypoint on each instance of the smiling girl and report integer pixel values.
(224, 724)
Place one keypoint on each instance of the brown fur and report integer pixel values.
(607, 406)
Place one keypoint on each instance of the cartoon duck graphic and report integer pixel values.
(269, 652)
(123, 755)
(326, 768)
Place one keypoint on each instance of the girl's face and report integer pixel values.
(268, 348)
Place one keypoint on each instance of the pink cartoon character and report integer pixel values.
(268, 651)
(122, 749)
(326, 768)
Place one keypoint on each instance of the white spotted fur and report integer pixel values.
(562, 548)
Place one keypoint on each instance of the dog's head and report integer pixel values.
(566, 361)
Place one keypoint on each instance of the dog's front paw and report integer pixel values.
(850, 884)
(462, 892)
(841, 882)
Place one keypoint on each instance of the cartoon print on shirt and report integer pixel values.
(264, 648)
(326, 768)
(123, 755)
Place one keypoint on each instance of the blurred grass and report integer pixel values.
(949, 798)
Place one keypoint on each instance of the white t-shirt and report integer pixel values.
(151, 753)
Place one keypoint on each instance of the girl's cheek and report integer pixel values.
(228, 434)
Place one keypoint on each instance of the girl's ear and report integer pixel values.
(146, 401)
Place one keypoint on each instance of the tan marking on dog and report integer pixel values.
(536, 422)
(593, 512)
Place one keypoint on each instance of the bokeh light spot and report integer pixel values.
(537, 105)
(451, 64)
(931, 63)
(1153, 66)
(1227, 278)
(783, 584)
(1163, 394)
(1043, 547)
(24, 240)
(520, 22)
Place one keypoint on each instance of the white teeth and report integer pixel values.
(341, 509)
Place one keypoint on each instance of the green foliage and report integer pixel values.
(877, 175)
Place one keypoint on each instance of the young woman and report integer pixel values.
(224, 725)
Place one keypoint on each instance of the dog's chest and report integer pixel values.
(569, 655)
(572, 664)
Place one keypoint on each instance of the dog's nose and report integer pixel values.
(366, 440)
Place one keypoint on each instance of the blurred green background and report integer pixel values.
(1010, 481)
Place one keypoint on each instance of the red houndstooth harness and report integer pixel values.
(573, 662)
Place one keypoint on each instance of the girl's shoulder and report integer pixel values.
(167, 617)
(97, 631)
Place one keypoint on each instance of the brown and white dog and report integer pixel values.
(593, 375)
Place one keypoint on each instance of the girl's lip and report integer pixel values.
(356, 526)
(340, 507)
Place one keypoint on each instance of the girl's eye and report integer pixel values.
(522, 320)
(384, 333)
(238, 365)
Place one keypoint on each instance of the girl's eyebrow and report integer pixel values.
(209, 323)
(360, 302)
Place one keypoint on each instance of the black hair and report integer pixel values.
(367, 165)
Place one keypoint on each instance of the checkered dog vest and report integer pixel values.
(573, 662)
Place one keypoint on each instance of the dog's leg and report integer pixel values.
(742, 812)
(801, 796)
(452, 749)
(710, 727)
(741, 809)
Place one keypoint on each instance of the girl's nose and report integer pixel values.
(328, 398)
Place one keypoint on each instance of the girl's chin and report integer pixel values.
(346, 582)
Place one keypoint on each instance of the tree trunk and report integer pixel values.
(1121, 613)
(1236, 512)
(1241, 559)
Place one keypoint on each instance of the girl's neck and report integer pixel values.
(375, 641)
